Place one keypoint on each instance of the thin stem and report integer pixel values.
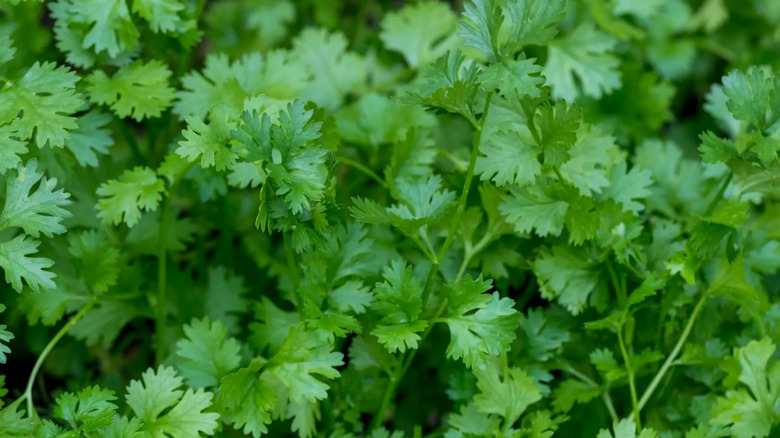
(718, 196)
(610, 406)
(395, 378)
(407, 359)
(617, 285)
(675, 351)
(469, 254)
(464, 194)
(604, 395)
(386, 398)
(124, 131)
(358, 166)
(292, 267)
(38, 363)
(162, 282)
(631, 383)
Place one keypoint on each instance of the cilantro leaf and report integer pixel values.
(480, 25)
(164, 409)
(626, 429)
(751, 414)
(584, 53)
(508, 397)
(753, 97)
(90, 138)
(42, 101)
(111, 27)
(513, 78)
(626, 187)
(88, 410)
(210, 143)
(567, 275)
(162, 15)
(531, 209)
(509, 156)
(38, 211)
(422, 32)
(481, 325)
(334, 70)
(123, 199)
(139, 90)
(399, 302)
(247, 401)
(5, 338)
(207, 354)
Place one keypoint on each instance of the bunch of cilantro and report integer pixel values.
(388, 219)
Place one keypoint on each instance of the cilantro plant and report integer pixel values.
(372, 218)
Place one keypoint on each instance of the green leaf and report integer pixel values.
(44, 101)
(111, 27)
(299, 360)
(211, 143)
(90, 409)
(11, 149)
(534, 22)
(508, 397)
(5, 338)
(447, 84)
(567, 275)
(166, 410)
(207, 354)
(584, 54)
(626, 429)
(421, 32)
(513, 78)
(480, 25)
(481, 325)
(139, 90)
(225, 297)
(97, 260)
(751, 414)
(531, 209)
(627, 187)
(36, 211)
(399, 302)
(18, 266)
(335, 71)
(558, 126)
(544, 335)
(589, 159)
(123, 199)
(752, 97)
(90, 138)
(248, 401)
(162, 15)
(509, 156)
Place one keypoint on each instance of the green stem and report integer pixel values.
(38, 363)
(407, 359)
(469, 254)
(162, 282)
(604, 395)
(124, 131)
(617, 285)
(293, 268)
(631, 383)
(370, 173)
(718, 196)
(464, 194)
(675, 351)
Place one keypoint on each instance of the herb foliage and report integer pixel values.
(348, 218)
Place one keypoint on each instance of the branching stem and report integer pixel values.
(408, 357)
(42, 357)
